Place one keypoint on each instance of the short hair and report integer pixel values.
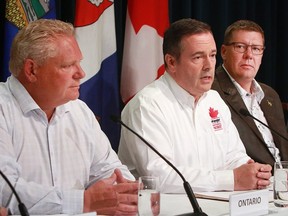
(179, 29)
(37, 41)
(246, 25)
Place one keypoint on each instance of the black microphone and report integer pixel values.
(22, 208)
(245, 112)
(188, 189)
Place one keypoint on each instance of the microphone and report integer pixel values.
(22, 208)
(188, 189)
(245, 112)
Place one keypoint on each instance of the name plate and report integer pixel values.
(249, 203)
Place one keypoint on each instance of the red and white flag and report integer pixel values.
(95, 34)
(146, 23)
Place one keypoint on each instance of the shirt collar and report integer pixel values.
(256, 88)
(21, 95)
(181, 94)
(26, 102)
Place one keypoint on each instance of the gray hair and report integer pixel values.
(37, 41)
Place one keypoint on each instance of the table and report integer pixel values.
(175, 204)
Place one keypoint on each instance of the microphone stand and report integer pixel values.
(22, 208)
(188, 189)
(245, 112)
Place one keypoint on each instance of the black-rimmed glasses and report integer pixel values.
(242, 48)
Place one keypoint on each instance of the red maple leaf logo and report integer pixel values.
(213, 113)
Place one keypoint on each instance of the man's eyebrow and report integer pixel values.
(202, 52)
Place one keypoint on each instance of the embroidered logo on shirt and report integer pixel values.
(215, 120)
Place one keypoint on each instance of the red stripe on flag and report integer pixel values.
(146, 22)
(87, 13)
(160, 71)
(149, 12)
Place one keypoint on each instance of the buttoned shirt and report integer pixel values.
(200, 138)
(50, 163)
(252, 102)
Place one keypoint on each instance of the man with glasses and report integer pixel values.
(242, 53)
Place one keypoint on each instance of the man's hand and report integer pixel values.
(3, 211)
(252, 176)
(264, 176)
(113, 196)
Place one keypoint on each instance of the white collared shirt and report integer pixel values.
(199, 139)
(50, 163)
(252, 102)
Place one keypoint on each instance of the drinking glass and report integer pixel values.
(148, 196)
(281, 184)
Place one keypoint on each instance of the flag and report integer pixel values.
(142, 62)
(95, 33)
(17, 15)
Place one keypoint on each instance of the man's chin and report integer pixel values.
(74, 97)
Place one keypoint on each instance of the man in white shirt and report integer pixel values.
(187, 122)
(52, 148)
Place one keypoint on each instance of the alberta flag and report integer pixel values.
(146, 22)
(18, 14)
(95, 33)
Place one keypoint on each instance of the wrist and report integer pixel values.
(87, 202)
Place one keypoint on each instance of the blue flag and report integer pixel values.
(17, 15)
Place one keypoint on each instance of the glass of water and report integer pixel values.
(148, 196)
(281, 184)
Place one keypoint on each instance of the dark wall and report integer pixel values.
(271, 15)
(2, 16)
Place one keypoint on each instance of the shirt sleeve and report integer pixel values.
(39, 199)
(105, 159)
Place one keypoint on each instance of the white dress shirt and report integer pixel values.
(50, 163)
(198, 138)
(252, 102)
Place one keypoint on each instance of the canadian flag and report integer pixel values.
(146, 22)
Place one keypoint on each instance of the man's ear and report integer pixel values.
(170, 62)
(30, 68)
(223, 52)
